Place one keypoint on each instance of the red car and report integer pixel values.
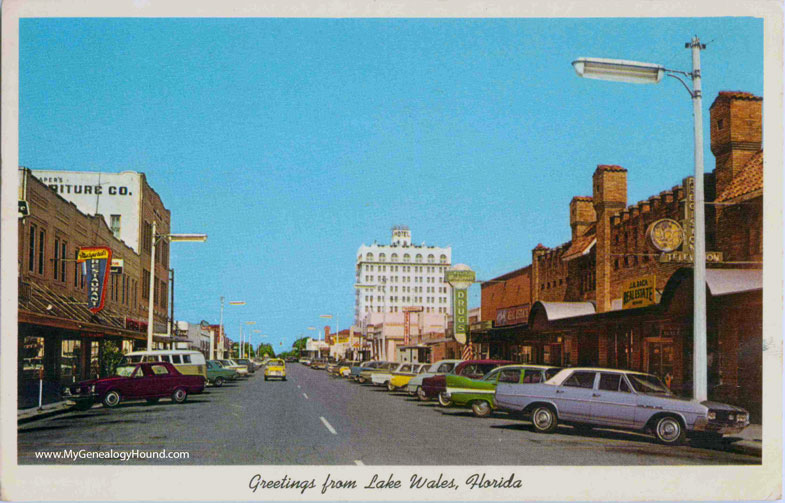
(140, 381)
(436, 386)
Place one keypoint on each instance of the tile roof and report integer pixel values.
(749, 179)
(735, 95)
(579, 246)
(610, 167)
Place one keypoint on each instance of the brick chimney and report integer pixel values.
(582, 215)
(736, 133)
(610, 197)
(536, 275)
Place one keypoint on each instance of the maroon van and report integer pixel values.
(436, 386)
(140, 381)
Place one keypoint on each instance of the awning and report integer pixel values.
(560, 310)
(728, 281)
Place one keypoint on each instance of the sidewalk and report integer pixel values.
(749, 441)
(48, 410)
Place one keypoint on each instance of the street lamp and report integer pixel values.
(242, 337)
(221, 323)
(647, 73)
(193, 238)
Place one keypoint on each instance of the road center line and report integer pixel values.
(306, 396)
(328, 426)
(358, 462)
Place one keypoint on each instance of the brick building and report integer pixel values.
(577, 290)
(57, 332)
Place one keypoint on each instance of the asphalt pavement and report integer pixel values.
(315, 419)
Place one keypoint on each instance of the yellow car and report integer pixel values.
(402, 377)
(275, 369)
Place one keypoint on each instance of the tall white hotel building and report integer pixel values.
(392, 277)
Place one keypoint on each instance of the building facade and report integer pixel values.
(392, 277)
(608, 297)
(60, 339)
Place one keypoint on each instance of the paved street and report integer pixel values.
(315, 419)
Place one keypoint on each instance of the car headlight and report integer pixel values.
(712, 415)
(92, 388)
(741, 417)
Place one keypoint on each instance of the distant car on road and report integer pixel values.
(588, 397)
(217, 374)
(319, 364)
(464, 391)
(140, 381)
(248, 363)
(242, 370)
(275, 369)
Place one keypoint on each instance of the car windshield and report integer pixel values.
(648, 384)
(125, 370)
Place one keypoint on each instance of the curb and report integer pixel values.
(750, 447)
(34, 415)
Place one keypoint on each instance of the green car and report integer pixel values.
(217, 375)
(478, 393)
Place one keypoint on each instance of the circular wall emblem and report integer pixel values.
(666, 235)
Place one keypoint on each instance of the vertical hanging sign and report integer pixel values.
(97, 260)
(460, 277)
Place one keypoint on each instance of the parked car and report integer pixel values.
(217, 374)
(241, 370)
(275, 369)
(436, 386)
(367, 365)
(345, 369)
(588, 397)
(187, 361)
(365, 375)
(305, 361)
(400, 378)
(382, 377)
(290, 359)
(464, 391)
(319, 364)
(140, 381)
(440, 367)
(248, 364)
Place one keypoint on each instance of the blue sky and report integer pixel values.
(291, 142)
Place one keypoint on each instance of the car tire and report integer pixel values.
(669, 430)
(481, 408)
(179, 395)
(112, 399)
(421, 394)
(361, 380)
(544, 419)
(265, 378)
(219, 381)
(411, 393)
(152, 400)
(443, 400)
(283, 378)
(390, 386)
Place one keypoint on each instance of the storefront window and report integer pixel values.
(95, 364)
(660, 359)
(621, 351)
(31, 358)
(70, 361)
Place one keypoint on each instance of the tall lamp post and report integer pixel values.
(194, 238)
(649, 73)
(242, 336)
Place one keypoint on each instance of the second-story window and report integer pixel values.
(31, 251)
(114, 224)
(63, 250)
(57, 258)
